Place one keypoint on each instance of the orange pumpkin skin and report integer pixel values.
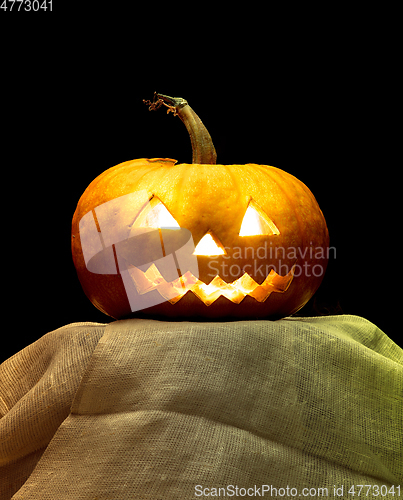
(214, 198)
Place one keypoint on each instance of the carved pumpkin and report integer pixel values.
(242, 241)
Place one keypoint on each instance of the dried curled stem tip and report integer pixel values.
(172, 103)
(202, 144)
(153, 105)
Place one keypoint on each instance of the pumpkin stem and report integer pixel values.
(202, 144)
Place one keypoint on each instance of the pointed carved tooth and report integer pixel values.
(209, 293)
(229, 290)
(246, 283)
(176, 299)
(277, 283)
(235, 296)
(260, 293)
(154, 275)
(171, 292)
(217, 282)
(142, 283)
(189, 280)
(208, 297)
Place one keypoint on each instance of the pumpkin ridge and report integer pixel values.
(300, 225)
(234, 180)
(182, 180)
(284, 178)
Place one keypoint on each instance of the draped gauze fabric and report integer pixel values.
(160, 410)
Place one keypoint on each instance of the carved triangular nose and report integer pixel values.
(209, 245)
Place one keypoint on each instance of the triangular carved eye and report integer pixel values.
(256, 222)
(156, 215)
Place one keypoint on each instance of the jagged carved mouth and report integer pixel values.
(236, 291)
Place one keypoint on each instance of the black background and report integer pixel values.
(319, 106)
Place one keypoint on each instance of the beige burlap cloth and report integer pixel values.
(145, 409)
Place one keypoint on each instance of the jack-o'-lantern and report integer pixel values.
(201, 240)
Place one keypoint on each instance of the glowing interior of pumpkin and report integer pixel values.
(255, 222)
(156, 215)
(209, 246)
